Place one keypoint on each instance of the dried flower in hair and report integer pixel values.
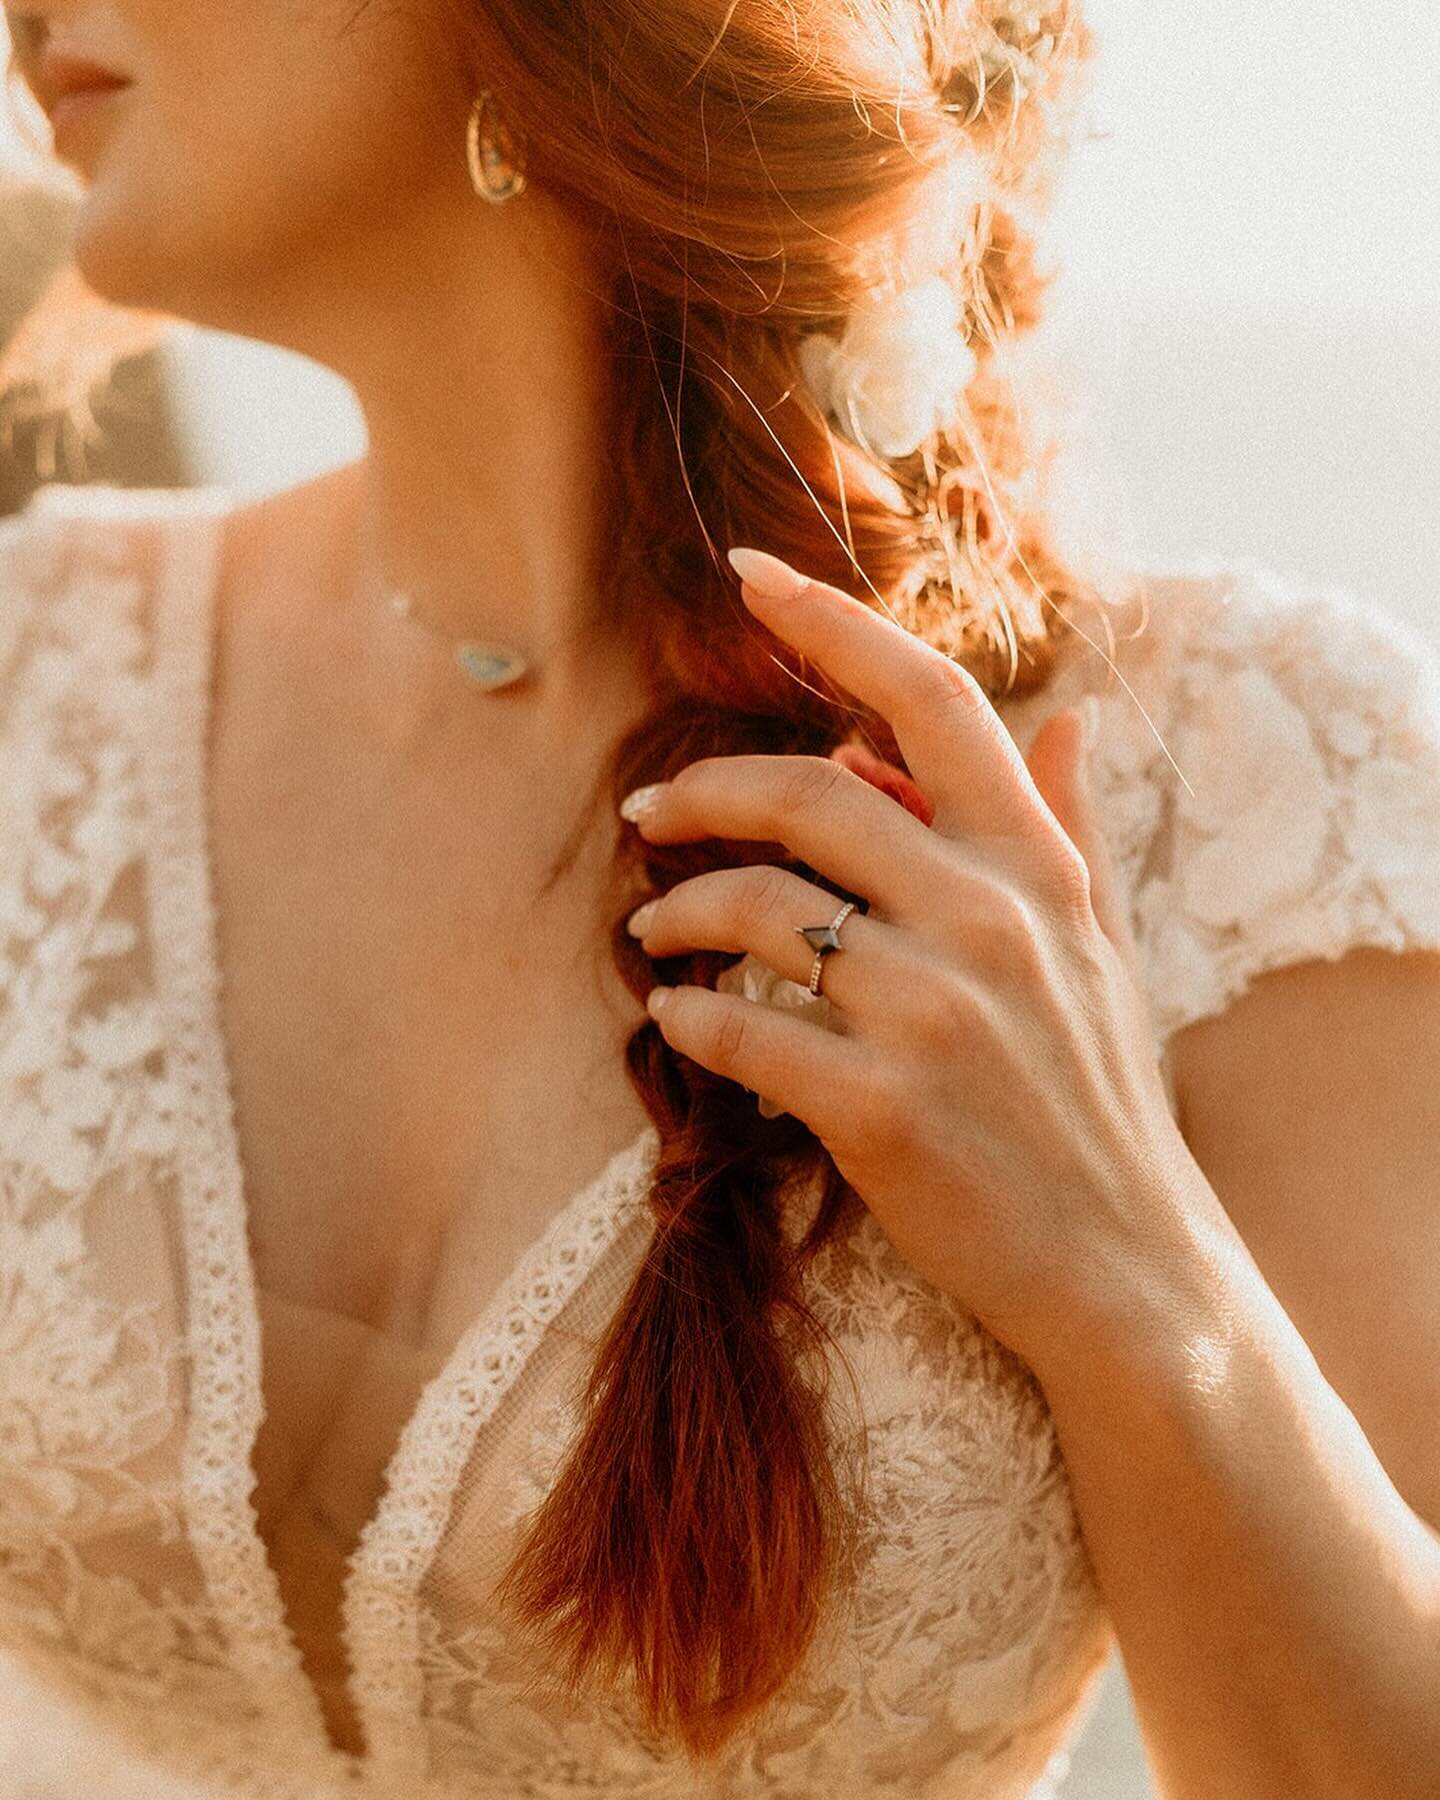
(1015, 41)
(898, 371)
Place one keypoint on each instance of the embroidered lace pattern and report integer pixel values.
(963, 1656)
(1306, 725)
(99, 1589)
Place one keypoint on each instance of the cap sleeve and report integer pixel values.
(1297, 812)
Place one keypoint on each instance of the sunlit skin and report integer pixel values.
(295, 173)
(993, 1094)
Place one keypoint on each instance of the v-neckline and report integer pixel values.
(380, 1616)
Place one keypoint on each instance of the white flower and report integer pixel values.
(898, 371)
(998, 52)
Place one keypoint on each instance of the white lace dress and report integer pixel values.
(132, 1578)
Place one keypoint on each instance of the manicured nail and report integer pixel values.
(767, 574)
(639, 801)
(656, 998)
(639, 921)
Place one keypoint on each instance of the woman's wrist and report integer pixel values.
(1252, 1551)
(1188, 1372)
(1162, 1315)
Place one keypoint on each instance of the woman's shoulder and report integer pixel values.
(80, 567)
(1320, 641)
(79, 555)
(108, 503)
(1267, 772)
(115, 523)
(1169, 631)
(70, 537)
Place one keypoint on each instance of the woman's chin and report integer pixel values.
(112, 255)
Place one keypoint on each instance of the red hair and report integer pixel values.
(745, 174)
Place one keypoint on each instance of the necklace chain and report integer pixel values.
(485, 664)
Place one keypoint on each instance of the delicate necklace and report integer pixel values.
(484, 664)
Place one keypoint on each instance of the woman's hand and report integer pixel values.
(993, 1095)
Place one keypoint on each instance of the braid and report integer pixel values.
(746, 176)
(699, 1521)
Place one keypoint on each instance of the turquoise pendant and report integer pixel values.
(489, 666)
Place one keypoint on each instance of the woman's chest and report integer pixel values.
(427, 1064)
(406, 1131)
(426, 1051)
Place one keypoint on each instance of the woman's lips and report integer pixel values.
(58, 73)
(80, 105)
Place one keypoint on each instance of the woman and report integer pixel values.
(905, 1351)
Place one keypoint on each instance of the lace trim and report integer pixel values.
(382, 1587)
(382, 1581)
(217, 1477)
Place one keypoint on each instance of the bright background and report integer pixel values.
(1247, 321)
(1248, 329)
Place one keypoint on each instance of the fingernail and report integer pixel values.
(639, 921)
(656, 998)
(767, 574)
(639, 801)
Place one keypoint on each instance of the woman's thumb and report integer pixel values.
(1059, 766)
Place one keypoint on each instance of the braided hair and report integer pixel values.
(752, 177)
(747, 174)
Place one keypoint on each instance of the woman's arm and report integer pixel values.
(1276, 1599)
(994, 1100)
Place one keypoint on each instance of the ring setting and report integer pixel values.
(823, 939)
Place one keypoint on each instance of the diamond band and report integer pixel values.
(822, 939)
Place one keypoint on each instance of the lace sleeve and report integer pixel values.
(1306, 724)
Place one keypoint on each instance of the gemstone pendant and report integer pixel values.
(489, 666)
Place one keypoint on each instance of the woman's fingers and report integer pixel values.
(953, 741)
(759, 910)
(825, 1079)
(821, 812)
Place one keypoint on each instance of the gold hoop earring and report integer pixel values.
(497, 170)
